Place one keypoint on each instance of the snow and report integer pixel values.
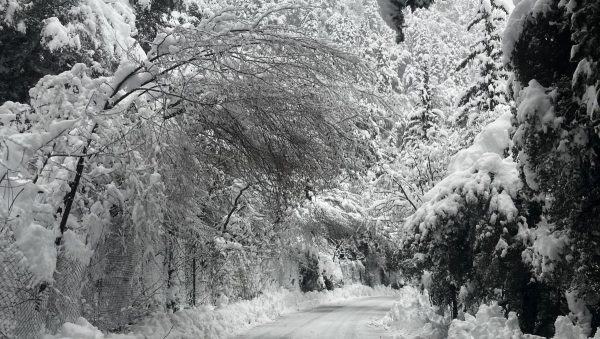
(580, 312)
(523, 11)
(541, 7)
(225, 321)
(493, 138)
(489, 322)
(547, 246)
(75, 249)
(565, 329)
(37, 245)
(55, 36)
(108, 25)
(536, 100)
(164, 43)
(112, 24)
(413, 316)
(349, 319)
(328, 268)
(508, 5)
(490, 174)
(503, 202)
(590, 98)
(82, 329)
(583, 73)
(514, 27)
(8, 8)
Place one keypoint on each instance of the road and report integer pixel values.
(343, 320)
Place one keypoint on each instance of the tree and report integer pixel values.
(46, 37)
(557, 143)
(392, 12)
(424, 121)
(488, 91)
(464, 233)
(192, 152)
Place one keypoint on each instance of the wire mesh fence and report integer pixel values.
(22, 306)
(122, 283)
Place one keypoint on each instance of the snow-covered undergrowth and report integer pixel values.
(223, 321)
(413, 317)
(490, 323)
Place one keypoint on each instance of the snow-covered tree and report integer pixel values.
(553, 51)
(191, 153)
(480, 100)
(464, 230)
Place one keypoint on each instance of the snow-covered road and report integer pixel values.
(342, 320)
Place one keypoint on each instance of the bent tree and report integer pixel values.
(106, 176)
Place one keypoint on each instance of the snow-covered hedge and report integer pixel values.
(223, 321)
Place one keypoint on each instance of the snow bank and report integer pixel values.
(490, 323)
(223, 321)
(413, 316)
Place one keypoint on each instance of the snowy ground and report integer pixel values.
(347, 319)
(227, 320)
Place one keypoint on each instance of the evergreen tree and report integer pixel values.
(391, 12)
(480, 100)
(553, 50)
(425, 118)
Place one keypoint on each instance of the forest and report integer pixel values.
(196, 168)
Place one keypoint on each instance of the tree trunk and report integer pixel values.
(453, 297)
(194, 279)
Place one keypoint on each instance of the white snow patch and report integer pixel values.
(37, 245)
(55, 36)
(75, 249)
(493, 138)
(546, 249)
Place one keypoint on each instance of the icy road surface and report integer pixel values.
(341, 320)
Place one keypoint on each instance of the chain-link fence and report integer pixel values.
(122, 282)
(22, 306)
